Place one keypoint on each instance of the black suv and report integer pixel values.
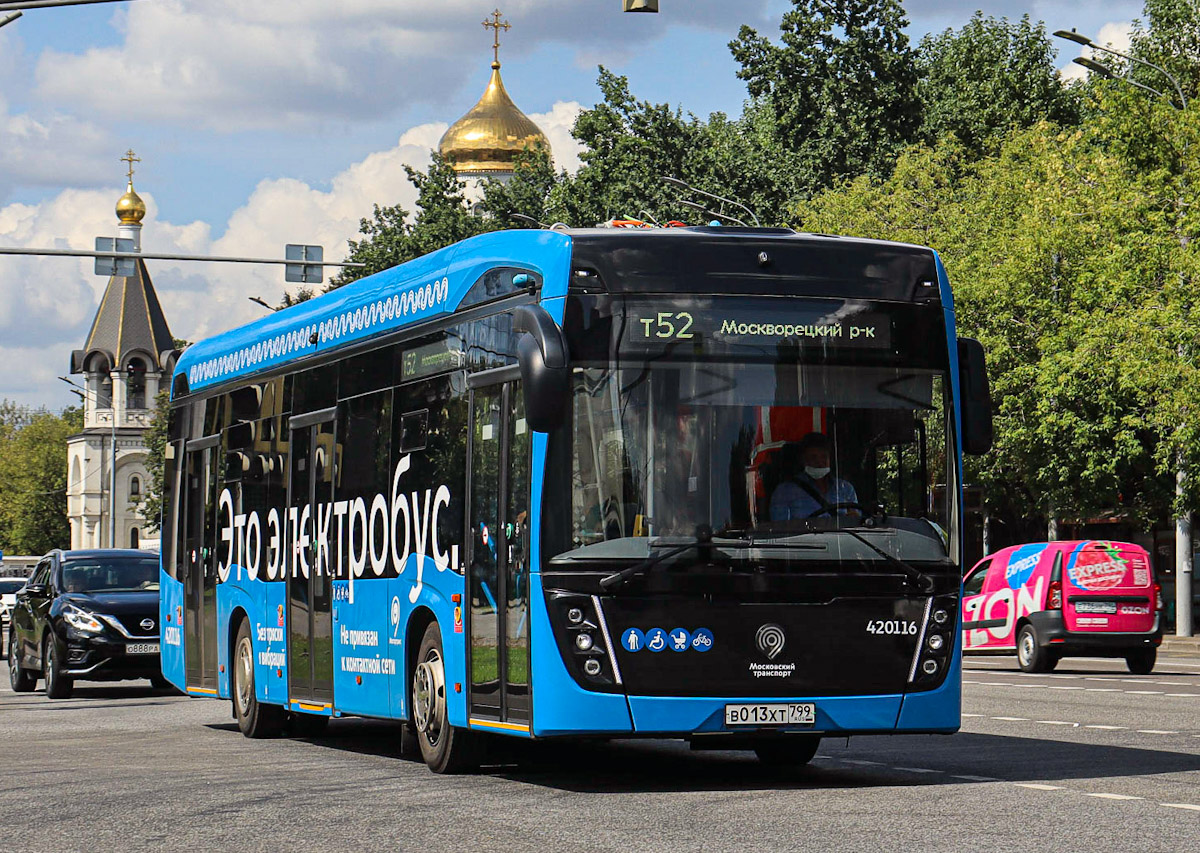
(87, 615)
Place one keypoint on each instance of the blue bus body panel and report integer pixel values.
(414, 292)
(938, 710)
(679, 714)
(560, 705)
(170, 617)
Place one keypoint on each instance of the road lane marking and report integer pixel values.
(1188, 806)
(1155, 732)
(967, 778)
(917, 770)
(863, 762)
(1181, 694)
(1102, 689)
(1107, 728)
(1062, 687)
(1058, 723)
(1037, 786)
(1012, 719)
(972, 715)
(1113, 796)
(1146, 692)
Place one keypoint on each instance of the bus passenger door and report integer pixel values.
(498, 559)
(309, 583)
(200, 565)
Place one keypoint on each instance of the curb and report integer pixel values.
(1180, 645)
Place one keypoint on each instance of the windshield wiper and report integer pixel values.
(922, 580)
(703, 540)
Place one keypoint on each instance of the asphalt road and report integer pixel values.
(1088, 758)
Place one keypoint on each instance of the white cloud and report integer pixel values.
(1115, 34)
(230, 65)
(47, 304)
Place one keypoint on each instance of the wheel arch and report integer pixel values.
(420, 619)
(236, 617)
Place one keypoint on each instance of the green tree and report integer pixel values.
(1066, 265)
(628, 146)
(987, 78)
(33, 478)
(841, 85)
(390, 238)
(156, 439)
(1168, 36)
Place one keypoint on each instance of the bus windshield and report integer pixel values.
(772, 451)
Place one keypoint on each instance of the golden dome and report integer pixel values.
(130, 207)
(490, 136)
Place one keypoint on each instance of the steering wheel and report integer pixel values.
(831, 509)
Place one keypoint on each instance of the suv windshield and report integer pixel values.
(129, 574)
(763, 451)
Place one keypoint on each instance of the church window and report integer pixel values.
(135, 384)
(135, 488)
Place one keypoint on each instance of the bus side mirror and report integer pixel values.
(545, 367)
(976, 400)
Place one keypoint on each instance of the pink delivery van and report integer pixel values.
(1048, 600)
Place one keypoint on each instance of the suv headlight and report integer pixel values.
(81, 620)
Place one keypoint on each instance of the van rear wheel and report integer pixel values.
(1142, 661)
(1031, 657)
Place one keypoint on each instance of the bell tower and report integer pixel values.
(128, 355)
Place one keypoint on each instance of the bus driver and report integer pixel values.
(804, 493)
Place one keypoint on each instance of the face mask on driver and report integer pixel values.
(815, 473)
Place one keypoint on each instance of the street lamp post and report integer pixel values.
(1183, 521)
(112, 465)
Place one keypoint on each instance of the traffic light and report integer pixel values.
(639, 5)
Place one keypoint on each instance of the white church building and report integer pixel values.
(128, 353)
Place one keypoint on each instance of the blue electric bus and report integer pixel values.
(696, 482)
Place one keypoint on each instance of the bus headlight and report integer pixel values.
(591, 666)
(936, 641)
(574, 615)
(583, 642)
(930, 667)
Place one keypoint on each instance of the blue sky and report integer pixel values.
(284, 120)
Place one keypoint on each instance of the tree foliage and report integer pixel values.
(991, 76)
(841, 84)
(33, 478)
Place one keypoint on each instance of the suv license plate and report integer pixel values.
(141, 649)
(771, 714)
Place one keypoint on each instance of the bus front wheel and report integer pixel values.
(254, 718)
(445, 748)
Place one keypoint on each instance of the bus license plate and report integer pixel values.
(771, 714)
(141, 649)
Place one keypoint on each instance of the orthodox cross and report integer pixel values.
(497, 25)
(130, 159)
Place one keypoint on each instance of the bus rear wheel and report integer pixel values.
(254, 718)
(790, 752)
(445, 748)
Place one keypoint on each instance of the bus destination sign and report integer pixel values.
(869, 330)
